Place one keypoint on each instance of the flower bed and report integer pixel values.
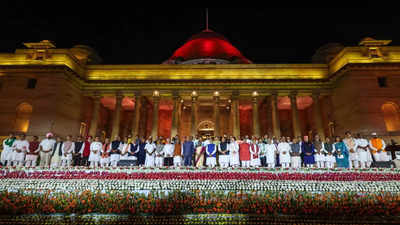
(209, 185)
(314, 175)
(178, 203)
(105, 219)
(139, 179)
(181, 192)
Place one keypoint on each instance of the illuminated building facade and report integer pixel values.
(206, 87)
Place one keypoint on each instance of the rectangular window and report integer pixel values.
(382, 82)
(31, 84)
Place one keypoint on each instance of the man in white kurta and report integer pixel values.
(363, 151)
(7, 153)
(284, 156)
(95, 149)
(67, 148)
(46, 148)
(159, 154)
(270, 153)
(233, 148)
(168, 151)
(319, 155)
(351, 145)
(20, 146)
(150, 153)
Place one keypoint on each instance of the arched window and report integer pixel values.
(24, 112)
(391, 115)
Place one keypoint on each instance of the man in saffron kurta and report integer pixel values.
(244, 154)
(378, 146)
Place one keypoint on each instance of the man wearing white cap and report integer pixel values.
(378, 146)
(46, 148)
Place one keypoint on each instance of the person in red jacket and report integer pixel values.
(244, 153)
(33, 152)
(86, 151)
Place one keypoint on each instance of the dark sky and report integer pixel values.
(126, 35)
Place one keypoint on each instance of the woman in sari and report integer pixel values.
(341, 153)
(199, 154)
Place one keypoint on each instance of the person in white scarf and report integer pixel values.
(233, 148)
(150, 153)
(95, 148)
(20, 146)
(284, 156)
(351, 145)
(67, 149)
(270, 153)
(363, 151)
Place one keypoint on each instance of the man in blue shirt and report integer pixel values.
(188, 151)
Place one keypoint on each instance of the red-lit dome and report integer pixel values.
(207, 47)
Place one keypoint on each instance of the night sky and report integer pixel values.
(127, 35)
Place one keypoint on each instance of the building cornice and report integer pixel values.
(181, 77)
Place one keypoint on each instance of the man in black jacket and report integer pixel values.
(57, 153)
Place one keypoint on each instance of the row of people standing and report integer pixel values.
(336, 152)
(349, 152)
